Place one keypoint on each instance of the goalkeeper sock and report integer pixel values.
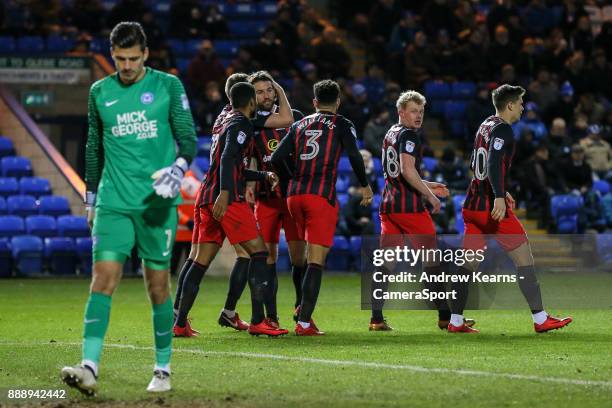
(272, 277)
(162, 329)
(259, 285)
(191, 287)
(179, 284)
(297, 273)
(237, 282)
(97, 315)
(310, 291)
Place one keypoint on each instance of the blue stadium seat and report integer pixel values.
(35, 186)
(430, 163)
(8, 186)
(3, 209)
(11, 225)
(84, 249)
(61, 255)
(54, 205)
(161, 6)
(108, 5)
(7, 148)
(381, 182)
(455, 109)
(342, 200)
(376, 220)
(27, 253)
(604, 247)
(463, 90)
(266, 9)
(22, 205)
(437, 90)
(339, 255)
(182, 64)
(378, 169)
(355, 243)
(437, 106)
(564, 209)
(247, 29)
(59, 44)
(15, 166)
(342, 184)
(240, 10)
(6, 258)
(7, 44)
(72, 226)
(43, 226)
(458, 128)
(100, 45)
(376, 200)
(191, 47)
(203, 163)
(204, 143)
(344, 166)
(602, 186)
(177, 46)
(227, 48)
(30, 44)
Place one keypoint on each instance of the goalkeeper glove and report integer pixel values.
(168, 180)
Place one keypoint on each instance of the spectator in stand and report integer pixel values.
(330, 56)
(579, 127)
(84, 16)
(301, 93)
(507, 74)
(543, 90)
(419, 63)
(383, 16)
(540, 182)
(558, 143)
(589, 106)
(392, 92)
(597, 152)
(516, 29)
(452, 171)
(532, 121)
(465, 17)
(243, 62)
(500, 13)
(529, 61)
(214, 23)
(606, 132)
(374, 83)
(356, 108)
(525, 148)
(162, 58)
(602, 70)
(563, 107)
(269, 50)
(501, 51)
(46, 16)
(537, 18)
(209, 106)
(582, 37)
(358, 218)
(310, 27)
(186, 19)
(472, 55)
(604, 38)
(556, 50)
(478, 110)
(285, 28)
(576, 172)
(438, 15)
(370, 174)
(203, 68)
(154, 33)
(127, 10)
(575, 72)
(403, 33)
(445, 56)
(375, 130)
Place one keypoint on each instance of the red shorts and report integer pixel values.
(238, 224)
(271, 214)
(315, 218)
(418, 228)
(509, 233)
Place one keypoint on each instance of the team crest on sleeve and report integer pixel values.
(241, 137)
(354, 132)
(498, 143)
(184, 102)
(147, 98)
(410, 147)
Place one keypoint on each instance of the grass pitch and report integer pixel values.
(416, 365)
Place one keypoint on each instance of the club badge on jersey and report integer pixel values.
(498, 143)
(409, 147)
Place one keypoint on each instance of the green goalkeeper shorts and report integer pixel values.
(153, 230)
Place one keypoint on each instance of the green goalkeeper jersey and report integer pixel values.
(132, 133)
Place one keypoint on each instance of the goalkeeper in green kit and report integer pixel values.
(137, 117)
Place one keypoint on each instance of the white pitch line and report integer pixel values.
(348, 363)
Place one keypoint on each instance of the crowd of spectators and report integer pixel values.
(560, 51)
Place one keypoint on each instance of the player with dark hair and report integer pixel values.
(221, 210)
(189, 288)
(488, 209)
(402, 210)
(310, 153)
(135, 117)
(271, 209)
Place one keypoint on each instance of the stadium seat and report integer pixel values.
(283, 263)
(339, 255)
(458, 202)
(11, 225)
(266, 9)
(54, 205)
(61, 255)
(376, 220)
(84, 249)
(430, 163)
(227, 48)
(191, 47)
(30, 44)
(6, 258)
(355, 244)
(7, 148)
(27, 253)
(381, 182)
(161, 7)
(240, 10)
(72, 226)
(376, 200)
(437, 90)
(22, 205)
(564, 210)
(437, 107)
(457, 128)
(344, 166)
(8, 186)
(455, 110)
(604, 247)
(247, 29)
(35, 186)
(204, 143)
(203, 163)
(7, 44)
(602, 186)
(59, 44)
(108, 5)
(182, 64)
(15, 166)
(177, 46)
(377, 162)
(3, 209)
(342, 184)
(342, 200)
(463, 90)
(100, 45)
(43, 226)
